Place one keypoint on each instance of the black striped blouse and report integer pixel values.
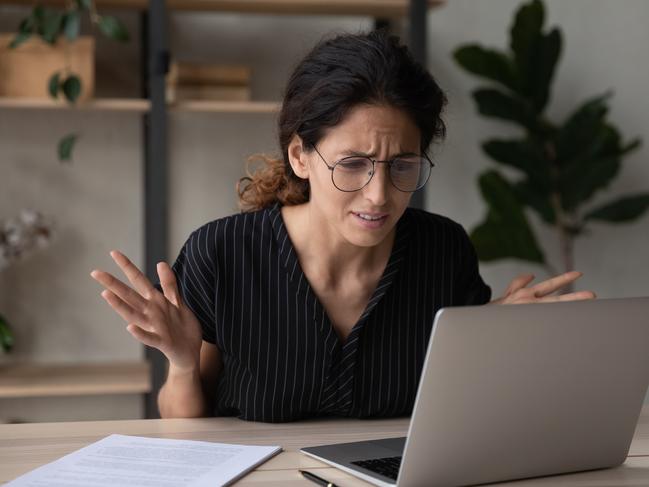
(283, 361)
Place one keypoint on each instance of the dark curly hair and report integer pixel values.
(335, 76)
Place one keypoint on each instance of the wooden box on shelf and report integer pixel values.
(26, 70)
(207, 82)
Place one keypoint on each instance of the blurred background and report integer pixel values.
(95, 201)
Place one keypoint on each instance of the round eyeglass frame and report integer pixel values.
(374, 162)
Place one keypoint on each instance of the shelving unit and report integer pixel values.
(154, 109)
(370, 8)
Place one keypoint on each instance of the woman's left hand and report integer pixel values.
(518, 292)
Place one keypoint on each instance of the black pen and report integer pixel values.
(318, 480)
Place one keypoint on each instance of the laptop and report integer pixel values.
(516, 391)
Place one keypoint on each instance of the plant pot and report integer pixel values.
(26, 70)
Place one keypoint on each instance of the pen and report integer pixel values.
(318, 480)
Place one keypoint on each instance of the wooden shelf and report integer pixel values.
(226, 106)
(143, 106)
(46, 380)
(373, 8)
(109, 104)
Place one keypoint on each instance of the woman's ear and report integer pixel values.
(298, 157)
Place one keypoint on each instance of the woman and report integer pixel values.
(320, 298)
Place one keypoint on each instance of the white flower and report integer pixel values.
(19, 236)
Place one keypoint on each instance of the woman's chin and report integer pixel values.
(367, 237)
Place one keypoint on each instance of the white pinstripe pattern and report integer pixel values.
(241, 277)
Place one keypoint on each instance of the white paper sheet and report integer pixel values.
(136, 461)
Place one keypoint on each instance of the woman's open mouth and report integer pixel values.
(371, 220)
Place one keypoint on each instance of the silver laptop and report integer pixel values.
(510, 392)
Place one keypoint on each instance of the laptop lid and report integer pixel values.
(520, 391)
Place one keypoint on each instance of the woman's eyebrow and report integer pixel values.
(364, 154)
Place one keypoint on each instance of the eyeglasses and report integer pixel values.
(353, 173)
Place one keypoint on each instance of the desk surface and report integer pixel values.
(24, 447)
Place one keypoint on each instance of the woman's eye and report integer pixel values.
(354, 165)
(404, 166)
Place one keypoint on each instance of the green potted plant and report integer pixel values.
(560, 166)
(52, 25)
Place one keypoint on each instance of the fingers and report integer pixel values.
(134, 275)
(576, 296)
(168, 283)
(551, 285)
(122, 308)
(146, 337)
(120, 289)
(519, 282)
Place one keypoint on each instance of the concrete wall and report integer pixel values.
(97, 201)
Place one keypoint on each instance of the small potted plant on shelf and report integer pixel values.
(19, 238)
(52, 37)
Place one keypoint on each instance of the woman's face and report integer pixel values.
(365, 217)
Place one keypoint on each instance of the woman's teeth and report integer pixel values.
(368, 217)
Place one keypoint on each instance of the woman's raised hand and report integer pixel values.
(518, 292)
(158, 320)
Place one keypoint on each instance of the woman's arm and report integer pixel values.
(162, 320)
(188, 393)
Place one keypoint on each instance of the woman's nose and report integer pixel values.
(376, 189)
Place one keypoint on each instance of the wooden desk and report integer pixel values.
(24, 447)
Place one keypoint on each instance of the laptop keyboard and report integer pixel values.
(388, 466)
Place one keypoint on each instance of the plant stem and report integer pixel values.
(549, 268)
(567, 241)
(562, 220)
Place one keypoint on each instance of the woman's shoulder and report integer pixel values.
(236, 225)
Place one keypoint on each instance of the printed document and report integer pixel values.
(135, 461)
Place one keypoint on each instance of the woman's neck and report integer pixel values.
(326, 255)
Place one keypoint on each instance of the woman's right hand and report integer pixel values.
(158, 320)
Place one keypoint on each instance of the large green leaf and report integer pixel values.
(494, 103)
(525, 155)
(113, 28)
(535, 54)
(488, 63)
(525, 31)
(542, 68)
(581, 129)
(594, 167)
(505, 232)
(539, 199)
(583, 180)
(524, 36)
(624, 209)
